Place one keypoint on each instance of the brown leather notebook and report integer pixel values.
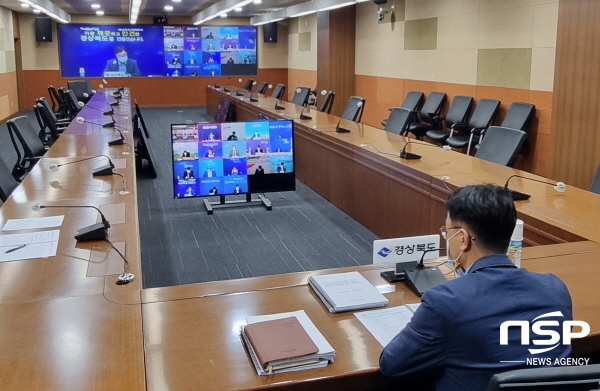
(279, 339)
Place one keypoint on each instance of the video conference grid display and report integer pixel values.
(232, 158)
(134, 51)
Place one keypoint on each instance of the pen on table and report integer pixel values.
(15, 248)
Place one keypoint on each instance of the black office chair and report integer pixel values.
(29, 148)
(482, 118)
(457, 114)
(249, 84)
(428, 115)
(518, 117)
(278, 91)
(261, 88)
(595, 186)
(57, 103)
(572, 378)
(301, 95)
(398, 120)
(222, 114)
(501, 145)
(47, 119)
(80, 88)
(327, 103)
(142, 122)
(7, 182)
(412, 101)
(60, 122)
(354, 109)
(62, 91)
(73, 102)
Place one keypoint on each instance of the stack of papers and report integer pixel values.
(28, 246)
(324, 356)
(385, 324)
(346, 292)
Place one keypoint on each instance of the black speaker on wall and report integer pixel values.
(43, 29)
(270, 32)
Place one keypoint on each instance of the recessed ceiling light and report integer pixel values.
(96, 6)
(223, 15)
(24, 5)
(168, 8)
(257, 1)
(238, 9)
(99, 13)
(36, 11)
(176, 1)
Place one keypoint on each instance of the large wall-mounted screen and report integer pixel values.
(146, 51)
(227, 158)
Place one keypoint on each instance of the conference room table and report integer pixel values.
(67, 325)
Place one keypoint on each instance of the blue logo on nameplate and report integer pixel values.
(384, 252)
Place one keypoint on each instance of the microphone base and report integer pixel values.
(409, 155)
(104, 170)
(117, 95)
(518, 196)
(277, 107)
(238, 94)
(92, 232)
(109, 112)
(253, 100)
(115, 103)
(125, 278)
(121, 88)
(111, 124)
(419, 280)
(342, 130)
(216, 86)
(226, 90)
(306, 117)
(118, 141)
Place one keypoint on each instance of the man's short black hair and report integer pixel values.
(488, 210)
(119, 49)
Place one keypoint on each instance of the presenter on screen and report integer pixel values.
(122, 63)
(188, 173)
(232, 137)
(209, 173)
(281, 169)
(233, 152)
(260, 170)
(237, 190)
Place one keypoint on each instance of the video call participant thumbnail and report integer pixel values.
(122, 63)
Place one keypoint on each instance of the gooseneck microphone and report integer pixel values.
(81, 120)
(304, 116)
(96, 231)
(420, 278)
(110, 112)
(277, 107)
(104, 170)
(518, 196)
(338, 128)
(229, 90)
(118, 141)
(411, 156)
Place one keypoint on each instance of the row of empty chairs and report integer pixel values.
(29, 143)
(463, 131)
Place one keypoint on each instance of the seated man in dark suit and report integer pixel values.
(122, 63)
(454, 335)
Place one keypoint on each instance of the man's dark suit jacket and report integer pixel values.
(131, 67)
(456, 329)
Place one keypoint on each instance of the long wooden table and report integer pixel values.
(66, 325)
(361, 173)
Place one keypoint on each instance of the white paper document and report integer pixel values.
(37, 245)
(385, 324)
(33, 223)
(346, 291)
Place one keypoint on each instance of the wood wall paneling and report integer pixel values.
(336, 54)
(155, 91)
(575, 140)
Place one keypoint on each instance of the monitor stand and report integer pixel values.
(249, 201)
